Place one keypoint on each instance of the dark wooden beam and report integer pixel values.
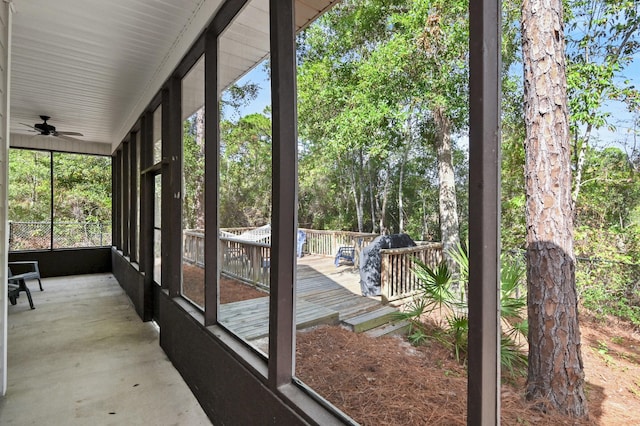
(212, 178)
(285, 193)
(484, 213)
(165, 197)
(147, 212)
(117, 199)
(126, 198)
(114, 199)
(190, 58)
(134, 175)
(172, 187)
(225, 15)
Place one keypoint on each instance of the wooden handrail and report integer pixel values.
(246, 261)
(397, 276)
(250, 261)
(327, 243)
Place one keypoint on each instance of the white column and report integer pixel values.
(6, 9)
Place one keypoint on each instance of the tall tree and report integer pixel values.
(29, 185)
(379, 80)
(603, 39)
(245, 171)
(193, 170)
(435, 68)
(555, 362)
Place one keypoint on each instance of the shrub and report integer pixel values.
(437, 298)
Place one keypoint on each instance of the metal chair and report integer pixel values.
(16, 284)
(28, 269)
(346, 253)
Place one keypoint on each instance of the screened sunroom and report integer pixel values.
(102, 108)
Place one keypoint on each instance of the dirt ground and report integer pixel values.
(387, 381)
(230, 290)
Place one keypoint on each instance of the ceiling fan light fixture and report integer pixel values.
(47, 129)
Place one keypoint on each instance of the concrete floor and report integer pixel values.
(83, 357)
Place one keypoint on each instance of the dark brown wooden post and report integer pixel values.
(484, 213)
(285, 193)
(115, 203)
(133, 195)
(212, 177)
(125, 195)
(171, 225)
(146, 211)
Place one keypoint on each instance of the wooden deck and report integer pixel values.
(325, 295)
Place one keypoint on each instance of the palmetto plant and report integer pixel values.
(436, 296)
(435, 285)
(512, 303)
(459, 330)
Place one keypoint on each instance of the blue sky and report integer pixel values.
(259, 76)
(620, 118)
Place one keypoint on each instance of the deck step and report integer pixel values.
(249, 319)
(390, 329)
(371, 319)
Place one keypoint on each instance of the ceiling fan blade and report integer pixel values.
(68, 138)
(68, 134)
(33, 129)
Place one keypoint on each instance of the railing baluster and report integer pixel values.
(250, 261)
(397, 276)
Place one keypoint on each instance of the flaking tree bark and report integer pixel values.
(448, 205)
(555, 372)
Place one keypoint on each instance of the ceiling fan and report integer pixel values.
(47, 129)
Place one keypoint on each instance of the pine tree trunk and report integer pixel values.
(449, 224)
(408, 141)
(357, 195)
(555, 363)
(372, 185)
(383, 210)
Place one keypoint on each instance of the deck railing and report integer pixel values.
(246, 261)
(193, 247)
(237, 231)
(250, 261)
(327, 243)
(262, 234)
(397, 277)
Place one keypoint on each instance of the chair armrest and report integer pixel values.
(26, 266)
(19, 277)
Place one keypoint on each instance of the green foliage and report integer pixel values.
(245, 171)
(512, 173)
(602, 39)
(459, 329)
(81, 195)
(512, 359)
(435, 287)
(82, 188)
(512, 275)
(608, 271)
(371, 75)
(437, 297)
(193, 171)
(29, 185)
(610, 189)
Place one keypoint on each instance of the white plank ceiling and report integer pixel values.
(94, 65)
